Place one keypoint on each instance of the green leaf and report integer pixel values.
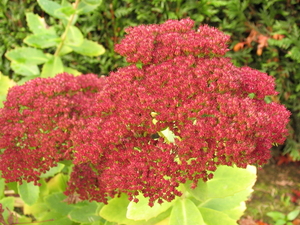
(293, 215)
(185, 212)
(93, 2)
(294, 54)
(139, 65)
(89, 48)
(58, 183)
(88, 213)
(213, 217)
(38, 25)
(226, 182)
(51, 7)
(162, 218)
(109, 223)
(22, 219)
(233, 206)
(95, 223)
(66, 11)
(42, 40)
(53, 171)
(168, 135)
(25, 69)
(25, 79)
(229, 202)
(27, 55)
(65, 50)
(116, 209)
(251, 95)
(38, 210)
(29, 192)
(86, 6)
(134, 209)
(268, 99)
(5, 84)
(8, 202)
(72, 71)
(281, 222)
(13, 186)
(8, 205)
(52, 67)
(54, 218)
(74, 37)
(276, 215)
(55, 203)
(44, 191)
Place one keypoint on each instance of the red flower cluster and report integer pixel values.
(157, 43)
(37, 120)
(113, 128)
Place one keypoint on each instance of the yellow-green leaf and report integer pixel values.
(29, 192)
(25, 69)
(38, 25)
(134, 209)
(185, 212)
(27, 55)
(53, 67)
(42, 40)
(89, 48)
(74, 37)
(5, 84)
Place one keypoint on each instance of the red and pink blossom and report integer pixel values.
(112, 128)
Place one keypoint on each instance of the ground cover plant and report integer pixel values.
(180, 103)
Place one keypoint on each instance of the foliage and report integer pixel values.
(282, 219)
(265, 36)
(53, 207)
(25, 60)
(12, 28)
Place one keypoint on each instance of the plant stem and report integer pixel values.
(64, 35)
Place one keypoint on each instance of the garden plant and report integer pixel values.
(25, 60)
(173, 132)
(281, 219)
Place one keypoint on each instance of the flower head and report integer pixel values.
(145, 130)
(37, 120)
(153, 44)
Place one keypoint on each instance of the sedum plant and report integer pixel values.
(26, 61)
(173, 132)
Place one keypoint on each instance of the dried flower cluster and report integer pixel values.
(113, 128)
